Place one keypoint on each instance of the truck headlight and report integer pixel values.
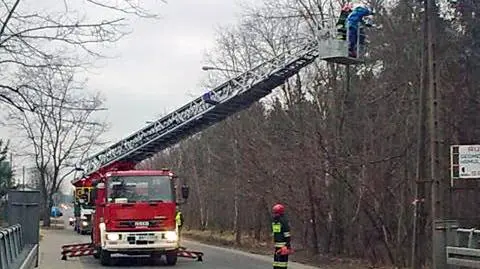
(113, 237)
(84, 223)
(171, 236)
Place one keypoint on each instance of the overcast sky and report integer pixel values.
(159, 67)
(159, 64)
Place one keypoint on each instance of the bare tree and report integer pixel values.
(38, 34)
(61, 131)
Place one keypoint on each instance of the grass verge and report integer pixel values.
(227, 239)
(248, 244)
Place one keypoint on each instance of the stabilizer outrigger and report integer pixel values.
(77, 250)
(88, 249)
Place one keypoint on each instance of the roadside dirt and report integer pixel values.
(253, 246)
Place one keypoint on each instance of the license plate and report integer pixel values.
(146, 237)
(141, 223)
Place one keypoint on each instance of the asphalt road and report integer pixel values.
(214, 257)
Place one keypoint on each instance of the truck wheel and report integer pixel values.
(156, 257)
(171, 258)
(105, 258)
(96, 255)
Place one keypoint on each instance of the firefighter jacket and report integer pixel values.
(281, 232)
(356, 16)
(342, 19)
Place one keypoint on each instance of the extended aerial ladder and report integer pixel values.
(212, 107)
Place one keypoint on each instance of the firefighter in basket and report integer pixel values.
(359, 17)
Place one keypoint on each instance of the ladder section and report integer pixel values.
(212, 107)
(223, 101)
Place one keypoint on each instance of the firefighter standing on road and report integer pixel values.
(179, 222)
(281, 237)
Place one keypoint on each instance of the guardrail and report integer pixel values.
(14, 253)
(466, 251)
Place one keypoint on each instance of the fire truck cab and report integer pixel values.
(135, 214)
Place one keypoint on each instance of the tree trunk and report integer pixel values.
(312, 216)
(238, 230)
(259, 220)
(199, 195)
(237, 204)
(47, 209)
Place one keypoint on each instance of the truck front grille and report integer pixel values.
(131, 224)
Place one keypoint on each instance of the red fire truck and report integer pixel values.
(135, 214)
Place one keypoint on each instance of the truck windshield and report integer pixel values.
(131, 189)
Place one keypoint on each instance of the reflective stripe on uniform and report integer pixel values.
(286, 234)
(178, 219)
(280, 244)
(276, 227)
(280, 264)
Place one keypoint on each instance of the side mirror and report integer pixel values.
(185, 191)
(93, 196)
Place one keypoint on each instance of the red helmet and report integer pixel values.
(347, 7)
(278, 210)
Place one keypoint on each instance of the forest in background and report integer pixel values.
(342, 159)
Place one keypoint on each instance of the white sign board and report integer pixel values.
(469, 161)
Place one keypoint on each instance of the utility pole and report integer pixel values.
(433, 122)
(429, 115)
(418, 254)
(438, 212)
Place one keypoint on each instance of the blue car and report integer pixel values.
(56, 212)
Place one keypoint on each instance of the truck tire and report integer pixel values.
(105, 257)
(156, 257)
(171, 258)
(96, 255)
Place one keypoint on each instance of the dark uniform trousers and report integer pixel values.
(281, 236)
(279, 261)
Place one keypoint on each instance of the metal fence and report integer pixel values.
(14, 253)
(466, 251)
